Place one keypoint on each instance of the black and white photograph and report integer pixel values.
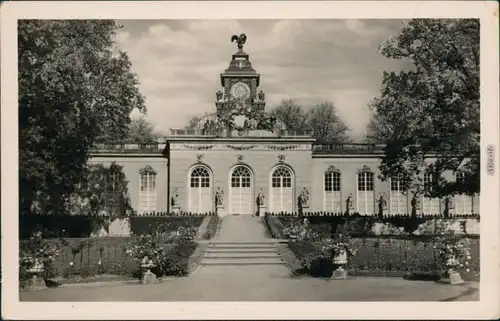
(282, 157)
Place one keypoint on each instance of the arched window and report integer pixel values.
(282, 199)
(398, 196)
(147, 190)
(241, 200)
(332, 196)
(200, 190)
(365, 191)
(463, 202)
(430, 205)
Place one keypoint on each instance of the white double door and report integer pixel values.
(241, 191)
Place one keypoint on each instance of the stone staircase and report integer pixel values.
(241, 253)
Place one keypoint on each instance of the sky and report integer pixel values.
(179, 62)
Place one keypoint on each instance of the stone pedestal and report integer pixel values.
(36, 283)
(350, 211)
(452, 277)
(149, 278)
(340, 260)
(221, 212)
(262, 210)
(339, 274)
(176, 210)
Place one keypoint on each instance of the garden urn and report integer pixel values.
(36, 281)
(148, 277)
(340, 260)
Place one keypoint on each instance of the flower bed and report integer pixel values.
(76, 258)
(396, 254)
(393, 256)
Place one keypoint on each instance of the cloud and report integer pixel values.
(179, 62)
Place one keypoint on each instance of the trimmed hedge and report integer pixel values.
(78, 226)
(357, 225)
(153, 225)
(211, 231)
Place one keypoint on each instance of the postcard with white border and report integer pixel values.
(250, 160)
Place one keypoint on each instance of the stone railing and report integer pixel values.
(347, 148)
(179, 132)
(129, 147)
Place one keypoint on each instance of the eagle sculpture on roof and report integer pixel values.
(241, 39)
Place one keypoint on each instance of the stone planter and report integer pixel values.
(36, 282)
(340, 261)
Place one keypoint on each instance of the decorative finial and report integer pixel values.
(241, 39)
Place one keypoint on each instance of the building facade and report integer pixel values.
(240, 159)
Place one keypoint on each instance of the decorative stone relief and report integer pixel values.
(198, 147)
(281, 159)
(365, 169)
(241, 147)
(199, 158)
(147, 169)
(278, 147)
(240, 158)
(332, 169)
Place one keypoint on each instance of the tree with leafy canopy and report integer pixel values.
(75, 88)
(327, 126)
(142, 131)
(291, 114)
(321, 119)
(433, 109)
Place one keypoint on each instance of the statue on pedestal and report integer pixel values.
(349, 204)
(260, 198)
(382, 204)
(449, 205)
(415, 204)
(175, 198)
(304, 198)
(219, 197)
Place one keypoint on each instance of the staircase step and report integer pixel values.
(238, 256)
(242, 246)
(240, 250)
(273, 261)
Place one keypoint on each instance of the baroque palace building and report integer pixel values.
(241, 161)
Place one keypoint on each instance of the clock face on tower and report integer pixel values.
(240, 91)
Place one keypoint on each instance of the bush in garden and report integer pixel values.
(452, 252)
(171, 261)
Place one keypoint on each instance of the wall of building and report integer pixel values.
(221, 159)
(132, 164)
(348, 166)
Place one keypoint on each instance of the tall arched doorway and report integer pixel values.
(200, 190)
(282, 199)
(241, 190)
